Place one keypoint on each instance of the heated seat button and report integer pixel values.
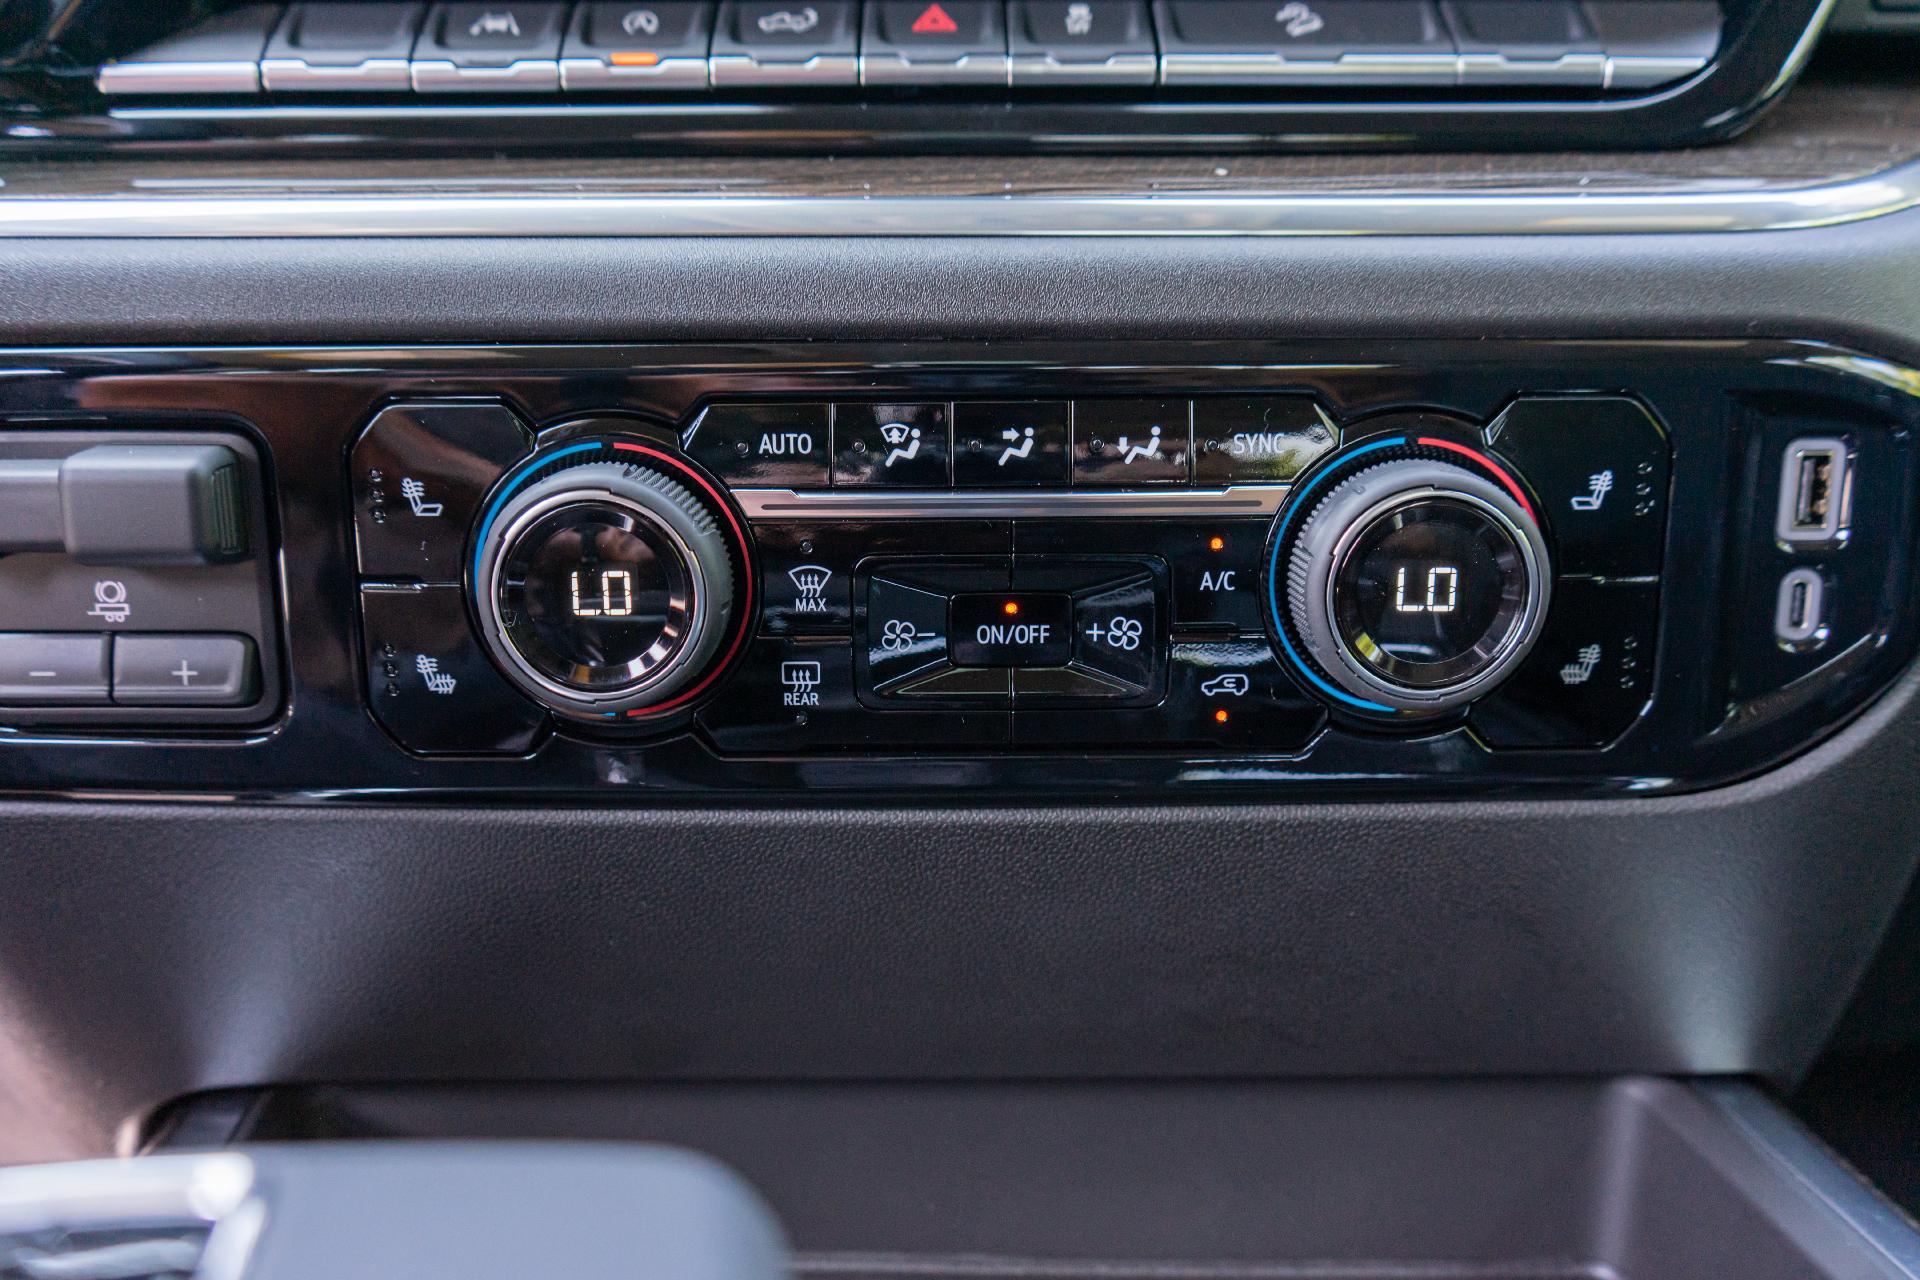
(784, 446)
(1589, 677)
(786, 43)
(900, 445)
(1600, 467)
(934, 42)
(1257, 439)
(39, 669)
(637, 44)
(1012, 445)
(184, 671)
(1012, 629)
(1126, 444)
(419, 473)
(430, 684)
(1093, 42)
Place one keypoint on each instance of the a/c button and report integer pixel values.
(1025, 629)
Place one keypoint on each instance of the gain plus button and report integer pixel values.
(1028, 629)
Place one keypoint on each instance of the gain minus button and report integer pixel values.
(42, 669)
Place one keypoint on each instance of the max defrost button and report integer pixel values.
(184, 671)
(1012, 630)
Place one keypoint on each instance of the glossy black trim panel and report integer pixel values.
(308, 405)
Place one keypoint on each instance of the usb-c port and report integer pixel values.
(1816, 492)
(1798, 611)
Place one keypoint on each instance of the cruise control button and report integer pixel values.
(419, 473)
(899, 445)
(184, 671)
(1012, 445)
(1257, 440)
(784, 446)
(511, 47)
(1589, 677)
(1094, 42)
(1600, 467)
(1525, 42)
(637, 44)
(933, 42)
(786, 43)
(333, 45)
(1331, 42)
(906, 631)
(1012, 629)
(1124, 444)
(430, 684)
(41, 669)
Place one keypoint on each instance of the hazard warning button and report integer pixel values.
(911, 42)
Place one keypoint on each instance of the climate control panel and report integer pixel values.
(1590, 566)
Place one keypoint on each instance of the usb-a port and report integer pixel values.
(1816, 491)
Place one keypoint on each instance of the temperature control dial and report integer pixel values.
(605, 578)
(1409, 578)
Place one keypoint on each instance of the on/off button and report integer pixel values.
(1012, 629)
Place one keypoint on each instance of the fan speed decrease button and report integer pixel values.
(1027, 629)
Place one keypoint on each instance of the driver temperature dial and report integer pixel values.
(1408, 578)
(608, 580)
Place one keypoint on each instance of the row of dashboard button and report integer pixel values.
(545, 46)
(1106, 443)
(62, 669)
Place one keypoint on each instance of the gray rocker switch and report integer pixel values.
(126, 504)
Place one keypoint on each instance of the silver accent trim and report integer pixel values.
(522, 75)
(1407, 214)
(968, 68)
(1579, 70)
(1349, 68)
(1818, 1171)
(1027, 69)
(1802, 51)
(734, 69)
(178, 77)
(297, 75)
(1642, 72)
(1053, 504)
(577, 74)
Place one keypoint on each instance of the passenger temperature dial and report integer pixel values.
(606, 577)
(1408, 578)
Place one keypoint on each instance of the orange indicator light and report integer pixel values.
(1012, 607)
(635, 59)
(1216, 543)
(1220, 716)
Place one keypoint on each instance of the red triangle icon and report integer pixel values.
(935, 22)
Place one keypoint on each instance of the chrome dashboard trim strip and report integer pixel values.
(589, 215)
(1052, 504)
(1817, 1170)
